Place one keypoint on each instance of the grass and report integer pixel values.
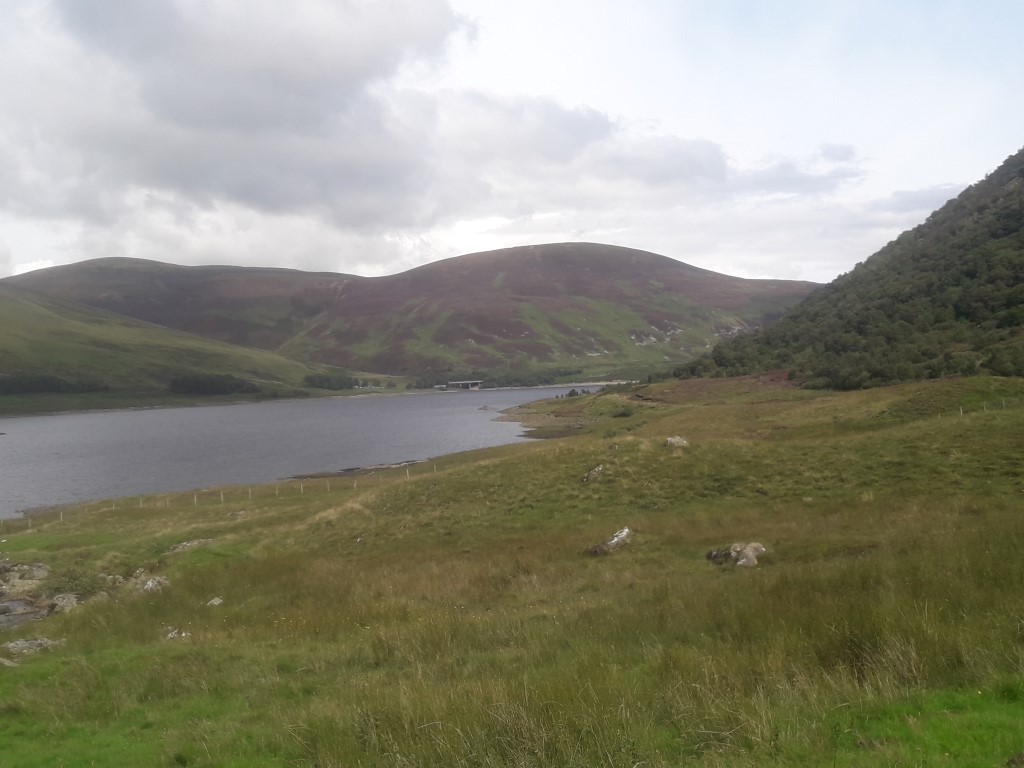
(135, 360)
(445, 614)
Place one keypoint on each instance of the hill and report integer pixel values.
(447, 614)
(945, 297)
(49, 345)
(569, 306)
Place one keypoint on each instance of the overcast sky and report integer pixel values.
(786, 139)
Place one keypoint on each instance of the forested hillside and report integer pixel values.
(946, 297)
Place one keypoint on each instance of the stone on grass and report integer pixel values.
(186, 545)
(62, 604)
(154, 584)
(26, 647)
(739, 554)
(618, 541)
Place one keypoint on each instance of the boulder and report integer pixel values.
(62, 604)
(739, 554)
(154, 584)
(25, 647)
(618, 541)
(35, 573)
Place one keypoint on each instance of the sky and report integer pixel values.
(787, 139)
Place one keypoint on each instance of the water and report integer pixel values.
(75, 457)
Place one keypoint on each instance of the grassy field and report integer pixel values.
(445, 614)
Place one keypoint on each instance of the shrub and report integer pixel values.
(332, 381)
(74, 580)
(25, 384)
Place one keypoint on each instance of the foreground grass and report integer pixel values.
(445, 615)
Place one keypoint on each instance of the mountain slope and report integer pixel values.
(248, 306)
(89, 349)
(945, 297)
(578, 306)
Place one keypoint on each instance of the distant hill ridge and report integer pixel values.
(564, 306)
(946, 297)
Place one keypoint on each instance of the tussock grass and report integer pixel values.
(448, 616)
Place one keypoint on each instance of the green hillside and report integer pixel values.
(505, 316)
(946, 297)
(67, 352)
(448, 614)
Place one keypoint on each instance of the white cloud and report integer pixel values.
(368, 136)
(916, 200)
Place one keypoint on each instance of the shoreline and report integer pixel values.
(229, 400)
(530, 423)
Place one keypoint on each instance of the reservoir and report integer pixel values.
(75, 457)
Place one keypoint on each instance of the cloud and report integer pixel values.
(788, 178)
(216, 103)
(838, 153)
(256, 65)
(252, 132)
(659, 161)
(917, 200)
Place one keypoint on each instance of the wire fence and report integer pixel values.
(232, 499)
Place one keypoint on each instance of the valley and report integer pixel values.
(450, 615)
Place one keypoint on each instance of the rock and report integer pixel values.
(593, 474)
(154, 584)
(719, 556)
(35, 573)
(173, 633)
(747, 554)
(15, 612)
(677, 442)
(25, 647)
(62, 604)
(619, 540)
(216, 601)
(740, 554)
(185, 545)
(143, 582)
